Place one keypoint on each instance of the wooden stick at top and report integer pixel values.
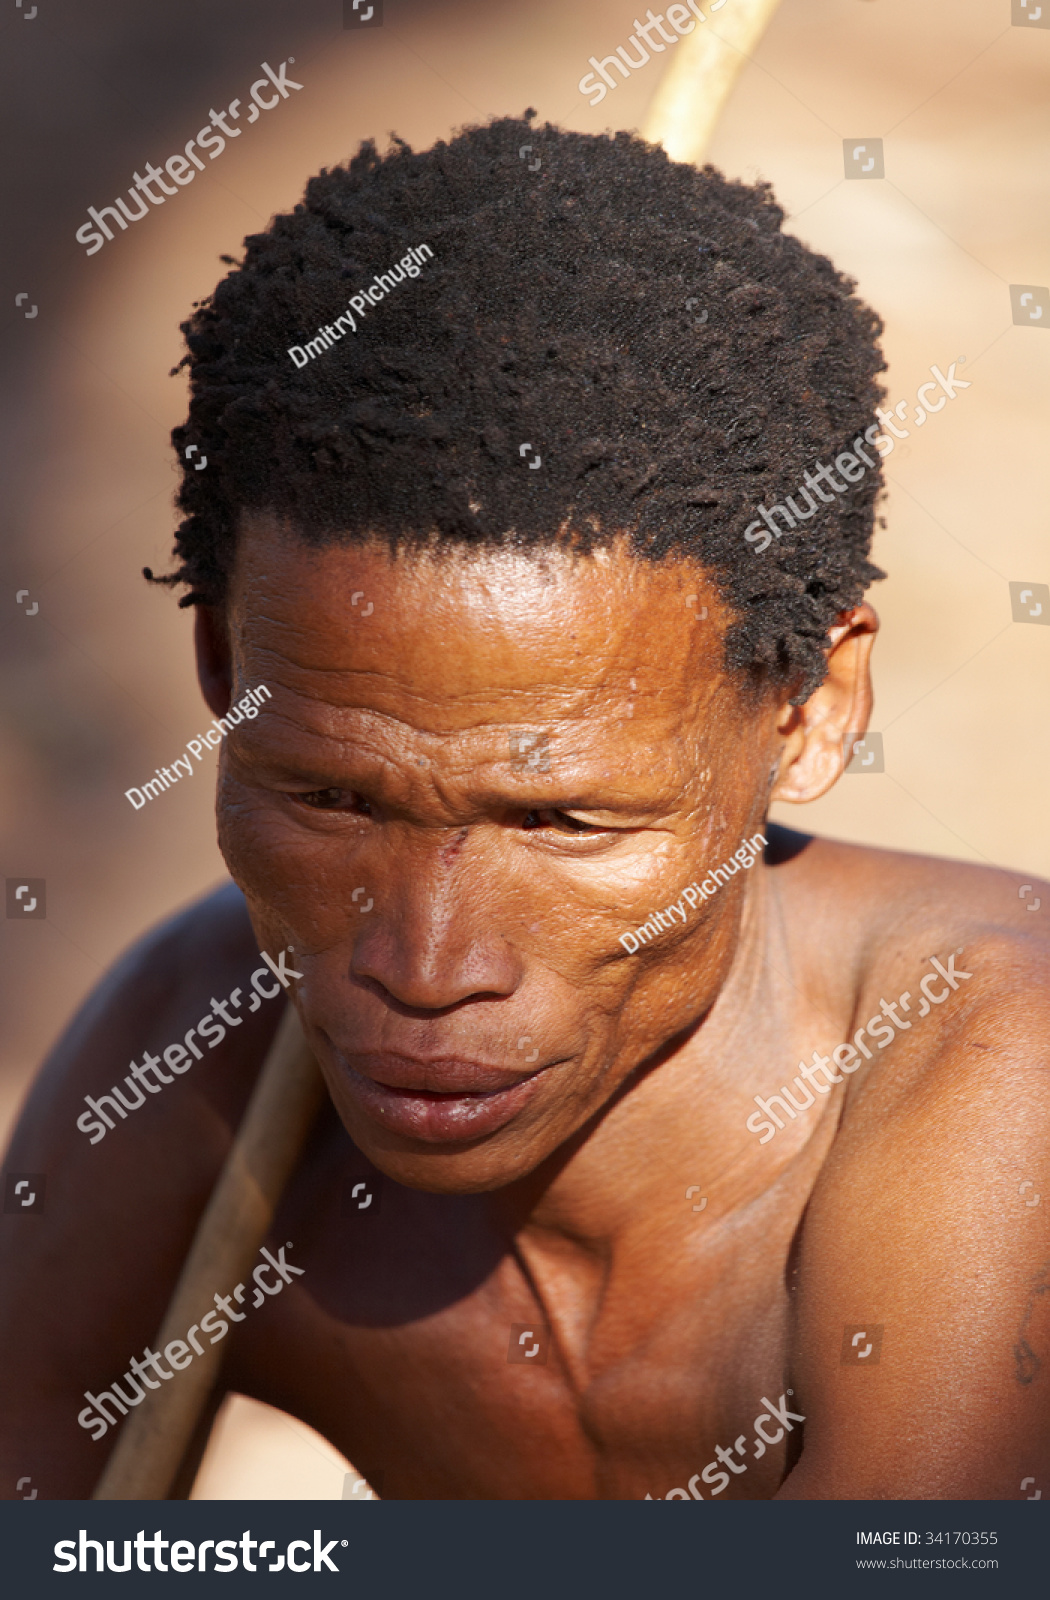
(700, 75)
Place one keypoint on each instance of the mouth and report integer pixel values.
(445, 1101)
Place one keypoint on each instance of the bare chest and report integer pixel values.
(445, 1364)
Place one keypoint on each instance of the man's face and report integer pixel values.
(475, 774)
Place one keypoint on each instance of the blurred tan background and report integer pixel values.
(98, 686)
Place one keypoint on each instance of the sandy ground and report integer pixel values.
(99, 687)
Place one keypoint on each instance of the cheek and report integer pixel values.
(246, 833)
(297, 877)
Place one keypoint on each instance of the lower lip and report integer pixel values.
(439, 1118)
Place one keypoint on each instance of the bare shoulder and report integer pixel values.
(924, 1267)
(175, 976)
(126, 1154)
(880, 898)
(868, 926)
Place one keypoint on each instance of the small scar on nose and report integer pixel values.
(452, 849)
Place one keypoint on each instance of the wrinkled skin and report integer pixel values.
(488, 924)
(538, 1101)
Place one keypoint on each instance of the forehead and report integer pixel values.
(461, 638)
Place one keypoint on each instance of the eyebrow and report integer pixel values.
(516, 784)
(310, 776)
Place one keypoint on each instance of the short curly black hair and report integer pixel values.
(672, 356)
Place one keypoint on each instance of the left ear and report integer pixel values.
(212, 645)
(812, 753)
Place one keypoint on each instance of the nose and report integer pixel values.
(435, 938)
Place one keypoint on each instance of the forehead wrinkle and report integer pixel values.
(664, 754)
(580, 736)
(550, 703)
(600, 676)
(666, 770)
(671, 716)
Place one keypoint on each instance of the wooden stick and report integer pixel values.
(269, 1142)
(700, 75)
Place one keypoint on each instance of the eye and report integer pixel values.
(336, 800)
(549, 818)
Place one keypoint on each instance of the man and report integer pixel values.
(531, 690)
